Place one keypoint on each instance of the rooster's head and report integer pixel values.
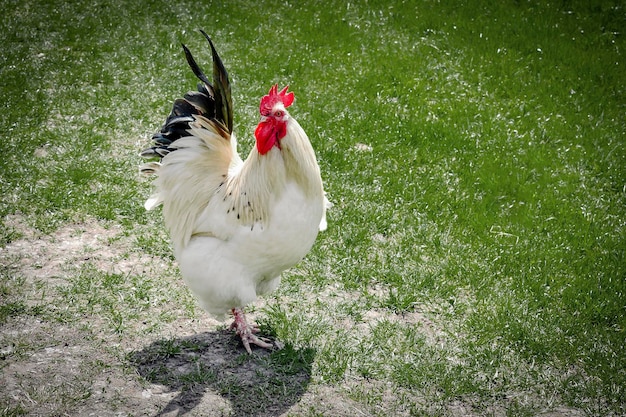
(274, 117)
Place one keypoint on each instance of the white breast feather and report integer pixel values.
(227, 273)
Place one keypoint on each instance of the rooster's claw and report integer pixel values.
(247, 332)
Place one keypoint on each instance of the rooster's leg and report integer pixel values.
(246, 331)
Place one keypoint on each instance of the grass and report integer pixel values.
(475, 155)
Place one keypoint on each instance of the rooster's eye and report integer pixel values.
(279, 113)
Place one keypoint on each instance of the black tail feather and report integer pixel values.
(184, 107)
(161, 140)
(221, 85)
(194, 66)
(201, 102)
(211, 100)
(154, 152)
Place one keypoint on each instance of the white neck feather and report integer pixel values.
(263, 177)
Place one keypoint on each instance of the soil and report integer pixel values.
(191, 366)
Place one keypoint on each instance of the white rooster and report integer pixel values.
(235, 225)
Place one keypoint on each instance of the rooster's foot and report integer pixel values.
(247, 332)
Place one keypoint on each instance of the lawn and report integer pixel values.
(475, 261)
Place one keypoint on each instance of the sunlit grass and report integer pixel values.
(474, 153)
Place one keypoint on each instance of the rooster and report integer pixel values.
(235, 225)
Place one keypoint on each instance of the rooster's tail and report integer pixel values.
(212, 101)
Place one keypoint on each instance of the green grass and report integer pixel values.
(475, 154)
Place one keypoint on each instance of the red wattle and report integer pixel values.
(268, 133)
(265, 135)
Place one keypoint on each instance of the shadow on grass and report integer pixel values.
(262, 384)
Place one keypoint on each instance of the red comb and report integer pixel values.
(274, 96)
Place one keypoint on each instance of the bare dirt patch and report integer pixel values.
(61, 355)
(44, 256)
